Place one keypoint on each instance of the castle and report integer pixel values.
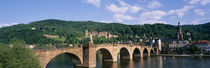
(51, 36)
(100, 34)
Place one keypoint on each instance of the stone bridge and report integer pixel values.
(86, 56)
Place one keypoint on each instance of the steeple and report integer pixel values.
(179, 32)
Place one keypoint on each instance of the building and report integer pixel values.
(159, 44)
(51, 36)
(30, 46)
(86, 33)
(100, 34)
(179, 42)
(202, 44)
(170, 45)
(176, 44)
(33, 28)
(110, 35)
(94, 33)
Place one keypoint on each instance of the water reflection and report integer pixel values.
(148, 62)
(131, 64)
(142, 62)
(115, 65)
(145, 62)
(61, 61)
(159, 60)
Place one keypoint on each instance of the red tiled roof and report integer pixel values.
(202, 42)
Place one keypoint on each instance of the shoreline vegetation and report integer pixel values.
(16, 55)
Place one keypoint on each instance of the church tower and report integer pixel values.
(179, 32)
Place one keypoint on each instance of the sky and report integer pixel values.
(130, 12)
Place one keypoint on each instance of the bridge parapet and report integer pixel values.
(117, 44)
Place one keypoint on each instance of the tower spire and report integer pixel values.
(179, 32)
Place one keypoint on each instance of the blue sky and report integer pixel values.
(121, 11)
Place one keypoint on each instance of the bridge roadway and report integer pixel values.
(86, 56)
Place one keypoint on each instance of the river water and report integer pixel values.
(63, 61)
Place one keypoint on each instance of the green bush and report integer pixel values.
(16, 55)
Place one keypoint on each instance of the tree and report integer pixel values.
(17, 56)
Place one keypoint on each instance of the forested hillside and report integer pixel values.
(72, 32)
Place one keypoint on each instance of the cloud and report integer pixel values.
(135, 9)
(202, 2)
(154, 4)
(121, 17)
(157, 14)
(199, 12)
(115, 9)
(94, 2)
(131, 8)
(152, 17)
(8, 24)
(194, 1)
(123, 8)
(180, 12)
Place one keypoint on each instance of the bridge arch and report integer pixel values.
(74, 58)
(106, 54)
(152, 52)
(136, 53)
(156, 51)
(146, 52)
(124, 53)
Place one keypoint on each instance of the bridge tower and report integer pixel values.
(156, 43)
(89, 54)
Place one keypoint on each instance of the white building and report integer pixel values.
(153, 42)
(159, 44)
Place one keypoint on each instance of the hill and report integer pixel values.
(71, 32)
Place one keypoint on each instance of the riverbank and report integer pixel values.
(183, 55)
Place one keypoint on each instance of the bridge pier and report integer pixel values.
(131, 52)
(141, 52)
(142, 55)
(89, 57)
(131, 57)
(157, 52)
(115, 57)
(148, 52)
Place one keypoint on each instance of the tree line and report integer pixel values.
(73, 32)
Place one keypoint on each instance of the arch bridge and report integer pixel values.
(86, 55)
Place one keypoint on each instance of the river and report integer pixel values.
(63, 61)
